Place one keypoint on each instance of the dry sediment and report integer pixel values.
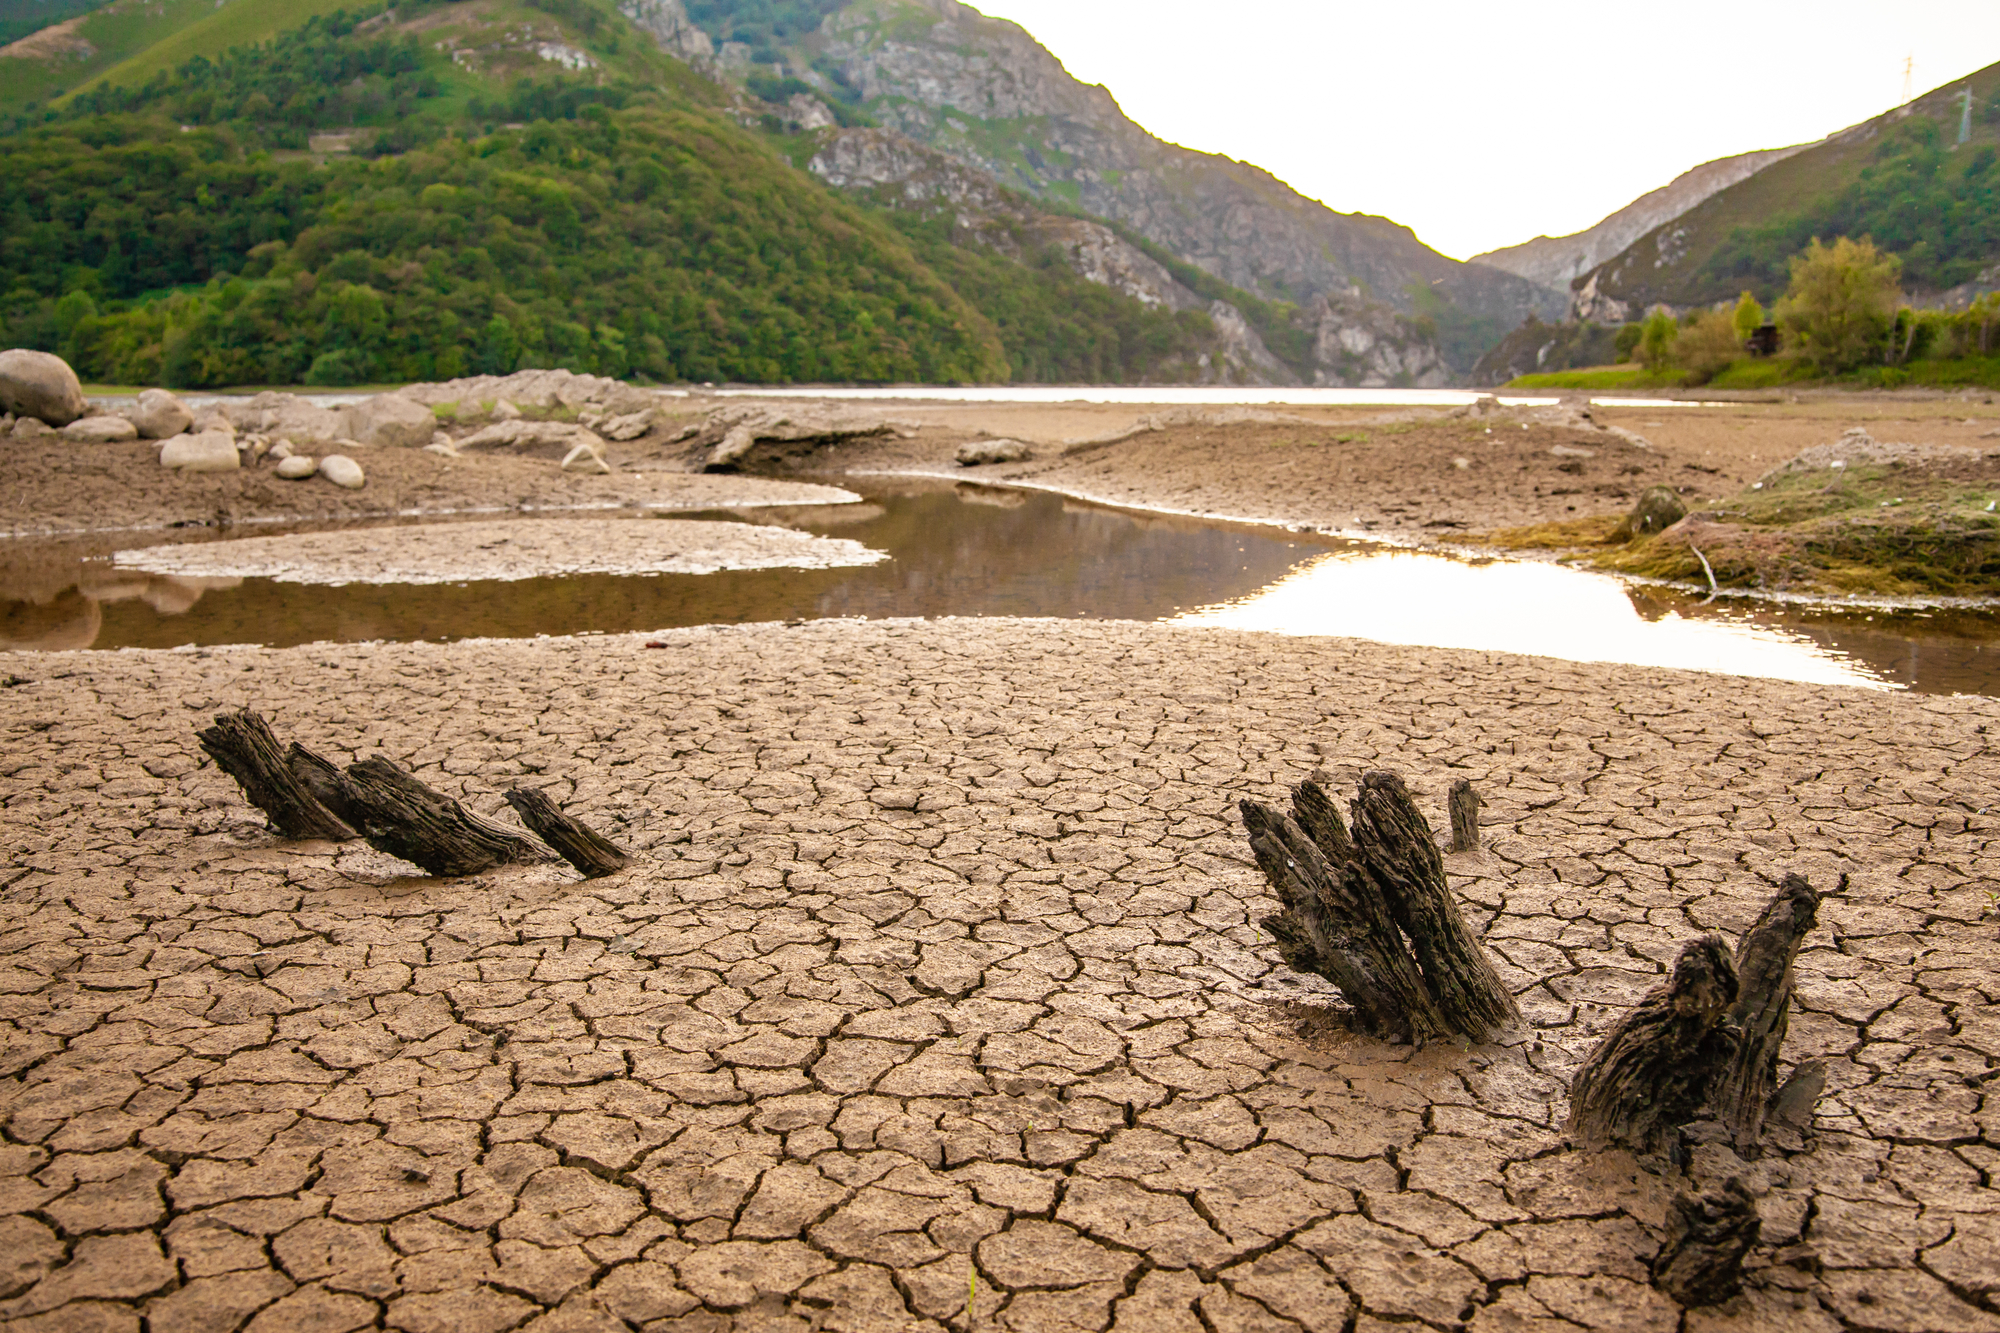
(936, 979)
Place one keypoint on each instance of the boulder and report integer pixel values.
(100, 430)
(297, 467)
(31, 428)
(159, 415)
(205, 451)
(343, 471)
(287, 415)
(973, 453)
(1658, 509)
(39, 385)
(628, 427)
(390, 419)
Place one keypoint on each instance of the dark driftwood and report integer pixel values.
(244, 747)
(321, 777)
(1334, 923)
(1764, 959)
(403, 817)
(1701, 1260)
(1656, 1068)
(1401, 853)
(575, 841)
(1350, 901)
(1464, 805)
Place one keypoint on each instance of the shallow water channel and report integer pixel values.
(976, 551)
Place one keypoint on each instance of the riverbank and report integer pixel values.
(939, 974)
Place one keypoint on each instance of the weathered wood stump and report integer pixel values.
(1701, 1260)
(1706, 1043)
(1654, 1070)
(1464, 805)
(576, 842)
(1764, 957)
(243, 746)
(1371, 911)
(403, 817)
(321, 777)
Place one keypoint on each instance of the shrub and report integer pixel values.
(1841, 303)
(1708, 346)
(1748, 316)
(1657, 335)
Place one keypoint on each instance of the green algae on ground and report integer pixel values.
(1886, 529)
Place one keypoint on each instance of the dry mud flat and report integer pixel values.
(938, 981)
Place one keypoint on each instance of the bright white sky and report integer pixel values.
(1480, 124)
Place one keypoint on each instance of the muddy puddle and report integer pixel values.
(974, 551)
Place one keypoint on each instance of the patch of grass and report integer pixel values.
(1596, 377)
(1564, 534)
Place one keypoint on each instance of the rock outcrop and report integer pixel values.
(39, 385)
(667, 22)
(285, 415)
(390, 419)
(1363, 345)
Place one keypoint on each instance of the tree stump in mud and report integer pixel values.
(1747, 1088)
(1706, 1043)
(243, 746)
(403, 817)
(1350, 902)
(322, 778)
(1653, 1072)
(1464, 805)
(1701, 1260)
(583, 847)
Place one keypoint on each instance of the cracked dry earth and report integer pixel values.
(938, 981)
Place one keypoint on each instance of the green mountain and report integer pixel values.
(1922, 181)
(220, 192)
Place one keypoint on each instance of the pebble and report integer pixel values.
(296, 467)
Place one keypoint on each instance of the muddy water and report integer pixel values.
(970, 551)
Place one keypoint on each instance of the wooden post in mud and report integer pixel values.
(1701, 1260)
(1350, 900)
(1706, 1043)
(243, 746)
(583, 847)
(1464, 805)
(403, 817)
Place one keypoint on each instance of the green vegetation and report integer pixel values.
(1890, 529)
(1841, 302)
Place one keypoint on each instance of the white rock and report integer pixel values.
(285, 414)
(159, 415)
(506, 411)
(205, 451)
(389, 419)
(282, 449)
(40, 385)
(100, 430)
(297, 467)
(343, 471)
(629, 427)
(975, 452)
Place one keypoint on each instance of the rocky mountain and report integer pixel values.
(1553, 261)
(1923, 181)
(984, 92)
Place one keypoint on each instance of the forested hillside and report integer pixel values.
(439, 188)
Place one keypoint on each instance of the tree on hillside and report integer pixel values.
(1748, 317)
(1840, 305)
(1656, 340)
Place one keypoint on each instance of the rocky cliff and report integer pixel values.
(1553, 261)
(984, 92)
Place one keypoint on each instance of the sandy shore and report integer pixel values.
(939, 977)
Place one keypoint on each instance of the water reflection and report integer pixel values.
(977, 551)
(1504, 606)
(72, 616)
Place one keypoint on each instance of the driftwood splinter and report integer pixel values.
(243, 746)
(403, 817)
(580, 845)
(1464, 805)
(1350, 901)
(1764, 958)
(1701, 1260)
